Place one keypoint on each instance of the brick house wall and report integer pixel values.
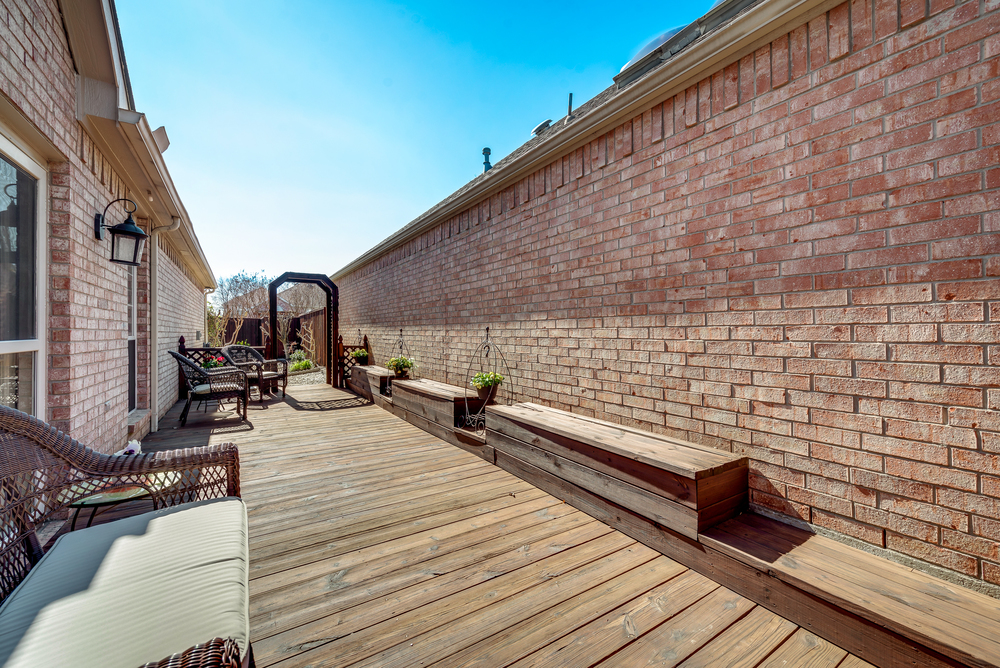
(87, 308)
(182, 309)
(796, 259)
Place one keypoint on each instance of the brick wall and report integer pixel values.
(182, 313)
(795, 259)
(87, 308)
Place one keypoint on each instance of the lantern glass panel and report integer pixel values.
(122, 248)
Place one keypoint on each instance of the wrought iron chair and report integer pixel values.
(265, 374)
(218, 384)
(43, 471)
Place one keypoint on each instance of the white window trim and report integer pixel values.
(39, 345)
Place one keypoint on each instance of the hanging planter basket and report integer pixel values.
(490, 375)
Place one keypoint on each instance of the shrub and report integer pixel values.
(298, 356)
(302, 365)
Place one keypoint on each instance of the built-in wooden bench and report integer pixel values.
(357, 382)
(439, 402)
(668, 494)
(440, 408)
(680, 485)
(371, 382)
(961, 624)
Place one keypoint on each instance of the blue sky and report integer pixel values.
(304, 135)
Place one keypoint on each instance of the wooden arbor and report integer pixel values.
(332, 314)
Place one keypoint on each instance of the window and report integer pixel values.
(22, 243)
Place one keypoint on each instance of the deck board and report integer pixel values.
(373, 543)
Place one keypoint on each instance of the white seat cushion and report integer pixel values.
(125, 593)
(202, 389)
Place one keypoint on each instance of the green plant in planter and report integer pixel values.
(360, 356)
(298, 356)
(484, 380)
(399, 365)
(302, 365)
(487, 384)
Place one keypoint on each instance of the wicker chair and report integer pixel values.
(265, 374)
(42, 471)
(216, 384)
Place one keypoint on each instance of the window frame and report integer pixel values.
(39, 344)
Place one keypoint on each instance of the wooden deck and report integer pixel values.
(373, 543)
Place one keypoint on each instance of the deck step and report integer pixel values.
(961, 624)
(680, 485)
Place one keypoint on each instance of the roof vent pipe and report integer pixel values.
(569, 110)
(486, 160)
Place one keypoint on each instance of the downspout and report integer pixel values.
(207, 291)
(154, 322)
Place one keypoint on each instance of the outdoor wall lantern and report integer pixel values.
(127, 239)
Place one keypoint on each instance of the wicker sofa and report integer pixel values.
(164, 588)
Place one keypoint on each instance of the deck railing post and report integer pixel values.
(340, 362)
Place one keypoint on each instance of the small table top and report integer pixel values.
(107, 498)
(157, 481)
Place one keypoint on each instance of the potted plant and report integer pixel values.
(213, 362)
(360, 356)
(487, 384)
(399, 365)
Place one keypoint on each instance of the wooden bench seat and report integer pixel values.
(680, 485)
(961, 624)
(439, 408)
(439, 402)
(370, 381)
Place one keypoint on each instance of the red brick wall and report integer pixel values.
(795, 259)
(87, 309)
(182, 313)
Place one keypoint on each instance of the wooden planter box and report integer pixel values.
(434, 401)
(683, 486)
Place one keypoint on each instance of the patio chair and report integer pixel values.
(217, 384)
(42, 472)
(265, 374)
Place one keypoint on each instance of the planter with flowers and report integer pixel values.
(360, 356)
(400, 366)
(487, 384)
(213, 362)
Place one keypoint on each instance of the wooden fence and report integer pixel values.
(251, 334)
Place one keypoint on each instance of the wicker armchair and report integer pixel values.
(217, 384)
(42, 471)
(265, 374)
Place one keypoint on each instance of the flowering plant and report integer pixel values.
(359, 354)
(482, 380)
(212, 362)
(399, 364)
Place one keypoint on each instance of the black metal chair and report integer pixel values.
(265, 374)
(219, 384)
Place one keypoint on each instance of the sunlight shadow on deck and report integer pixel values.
(327, 405)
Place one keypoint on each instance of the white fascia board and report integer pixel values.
(744, 34)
